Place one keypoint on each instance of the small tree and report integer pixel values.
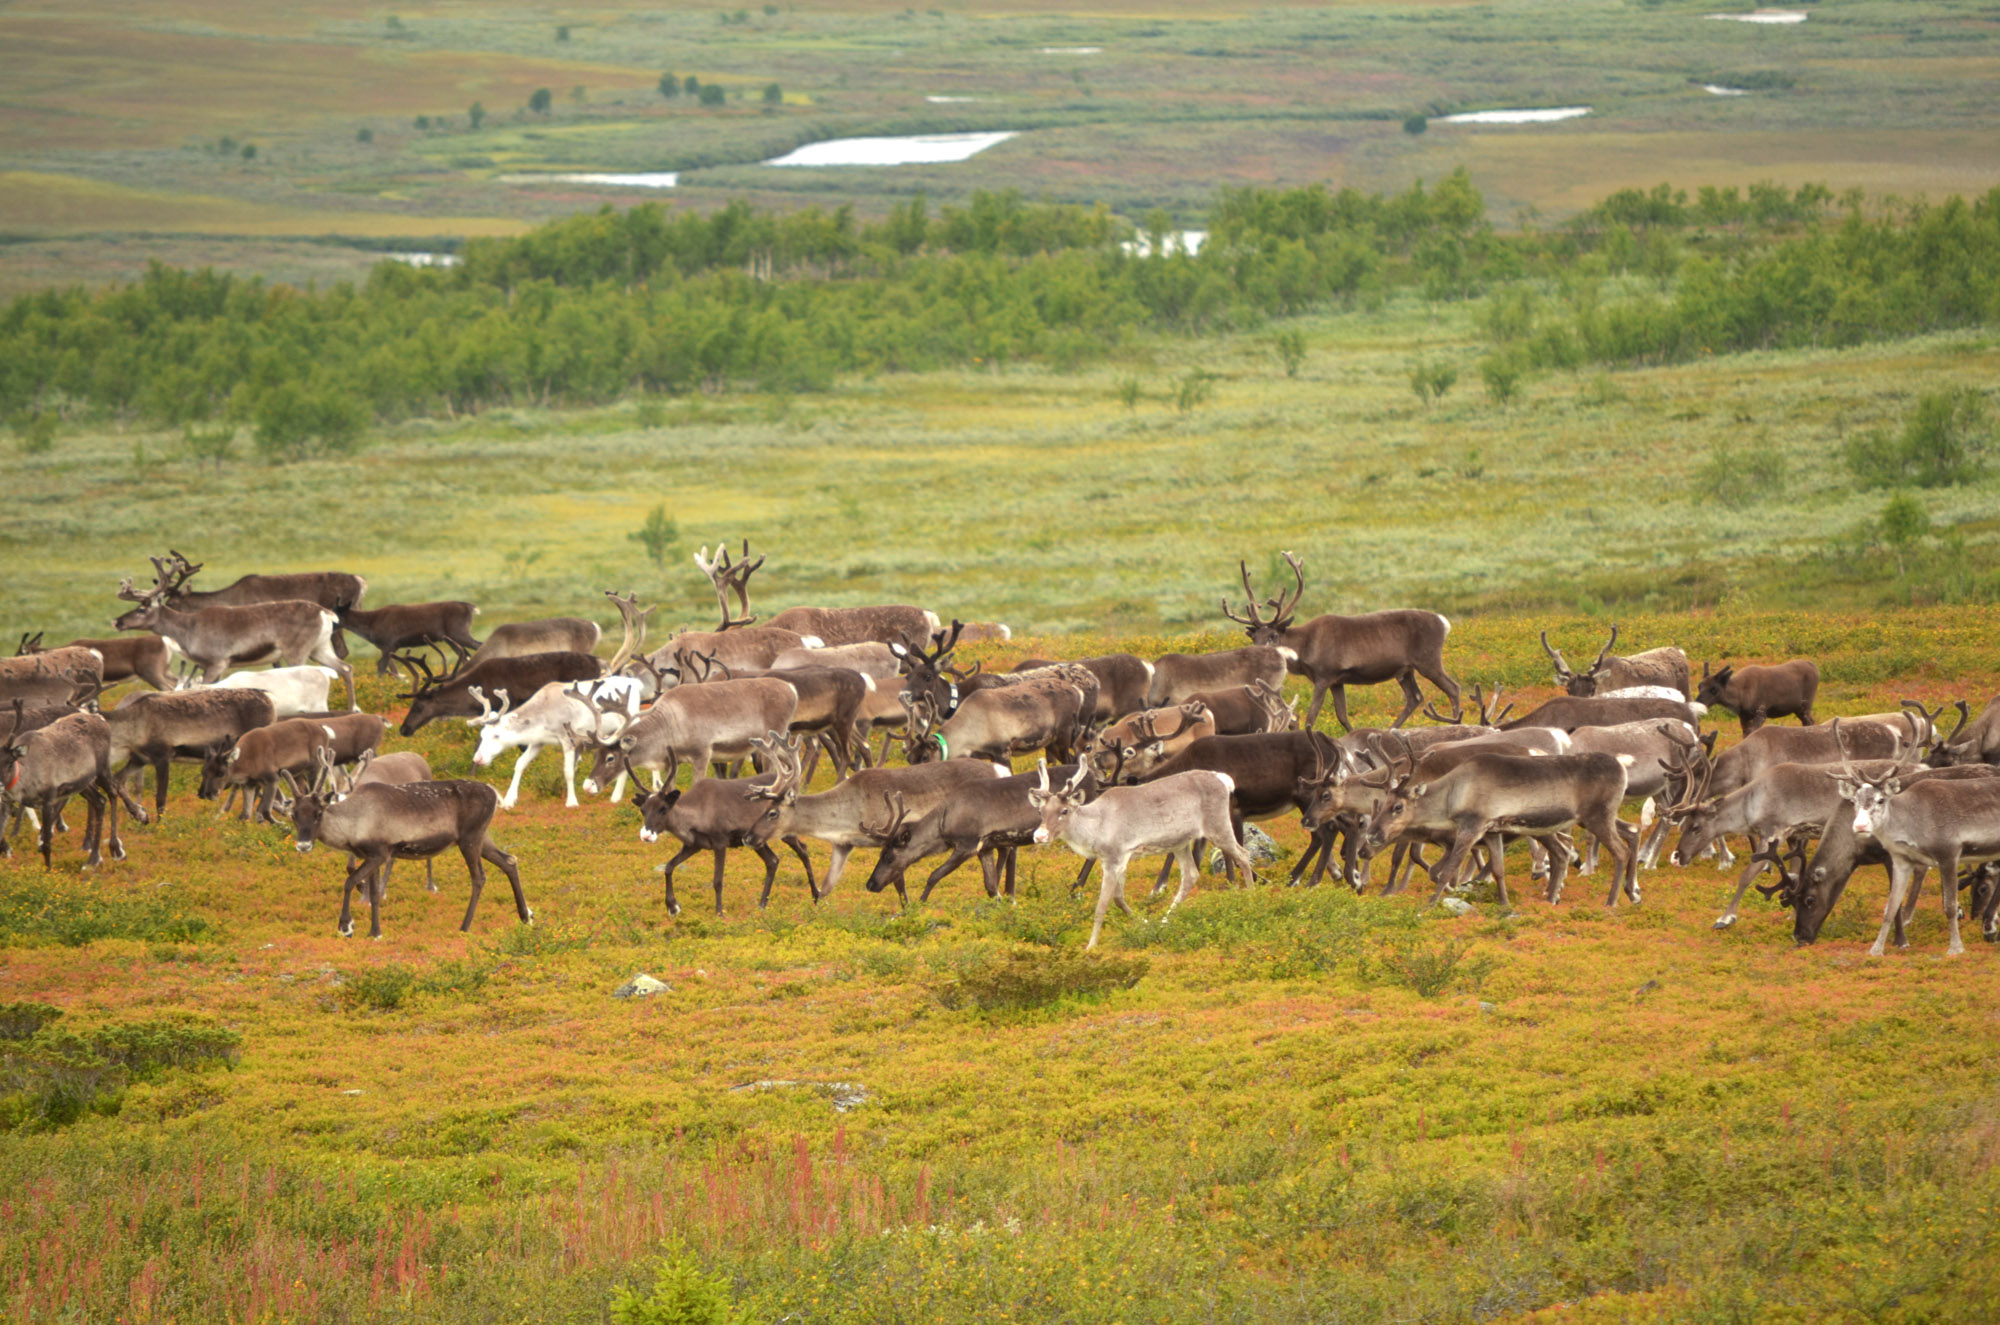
(208, 446)
(249, 151)
(37, 432)
(476, 113)
(691, 85)
(1431, 379)
(1944, 442)
(1194, 390)
(540, 100)
(1502, 375)
(670, 86)
(773, 94)
(658, 536)
(364, 135)
(1129, 392)
(683, 1294)
(294, 424)
(562, 32)
(712, 94)
(1903, 523)
(423, 121)
(1290, 345)
(1415, 124)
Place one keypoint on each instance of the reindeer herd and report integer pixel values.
(1135, 757)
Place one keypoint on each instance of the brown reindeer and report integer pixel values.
(400, 627)
(126, 657)
(832, 626)
(1334, 652)
(216, 638)
(71, 756)
(1758, 694)
(70, 674)
(151, 731)
(333, 590)
(1666, 667)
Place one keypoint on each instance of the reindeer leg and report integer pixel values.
(1113, 889)
(1558, 857)
(513, 795)
(1082, 875)
(1315, 851)
(1899, 886)
(770, 859)
(674, 906)
(1339, 692)
(1624, 858)
(799, 850)
(1160, 884)
(835, 863)
(110, 795)
(1439, 677)
(1013, 854)
(475, 865)
(1445, 870)
(1948, 882)
(1496, 857)
(1312, 709)
(344, 927)
(959, 855)
(719, 854)
(1413, 698)
(1750, 872)
(569, 771)
(1190, 871)
(93, 828)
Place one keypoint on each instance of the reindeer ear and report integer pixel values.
(1893, 787)
(1418, 790)
(1846, 788)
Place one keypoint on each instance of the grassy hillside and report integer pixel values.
(1042, 499)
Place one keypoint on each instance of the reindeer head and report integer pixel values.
(493, 732)
(1869, 796)
(1056, 806)
(1945, 750)
(927, 671)
(310, 804)
(1269, 630)
(29, 644)
(783, 753)
(1714, 686)
(1581, 684)
(167, 581)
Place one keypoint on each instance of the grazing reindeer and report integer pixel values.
(527, 639)
(1490, 794)
(1787, 802)
(737, 645)
(260, 756)
(42, 768)
(698, 723)
(720, 813)
(152, 730)
(382, 822)
(833, 626)
(1122, 681)
(1758, 694)
(333, 590)
(54, 676)
(1976, 743)
(214, 638)
(401, 627)
(452, 697)
(870, 659)
(1179, 677)
(1665, 667)
(125, 658)
(1933, 823)
(1242, 710)
(980, 632)
(1046, 709)
(1335, 652)
(1817, 888)
(1171, 815)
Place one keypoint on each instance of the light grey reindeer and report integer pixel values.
(1169, 815)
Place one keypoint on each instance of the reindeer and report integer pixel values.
(1179, 677)
(1242, 710)
(152, 729)
(42, 768)
(1977, 743)
(401, 627)
(870, 659)
(1813, 892)
(333, 590)
(1666, 668)
(53, 676)
(1047, 709)
(1130, 747)
(395, 770)
(452, 697)
(1170, 814)
(832, 626)
(381, 822)
(1335, 652)
(830, 704)
(561, 713)
(1758, 694)
(1264, 772)
(990, 820)
(1491, 794)
(1569, 712)
(293, 690)
(737, 646)
(1931, 823)
(259, 756)
(980, 632)
(528, 639)
(720, 813)
(293, 631)
(698, 723)
(127, 657)
(838, 815)
(1122, 681)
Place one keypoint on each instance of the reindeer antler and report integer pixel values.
(893, 801)
(1605, 652)
(730, 577)
(634, 622)
(1563, 671)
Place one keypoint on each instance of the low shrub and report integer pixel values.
(73, 916)
(52, 1078)
(1030, 978)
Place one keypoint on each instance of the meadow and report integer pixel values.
(127, 123)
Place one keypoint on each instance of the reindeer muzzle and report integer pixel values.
(302, 847)
(645, 834)
(1041, 837)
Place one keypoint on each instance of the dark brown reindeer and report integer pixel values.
(333, 590)
(253, 765)
(831, 626)
(401, 627)
(717, 814)
(1666, 667)
(126, 657)
(989, 820)
(1122, 680)
(1758, 694)
(1334, 652)
(42, 768)
(379, 823)
(1973, 740)
(216, 638)
(452, 696)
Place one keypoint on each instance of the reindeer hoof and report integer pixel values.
(676, 910)
(1724, 922)
(345, 931)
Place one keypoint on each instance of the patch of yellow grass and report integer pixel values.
(35, 201)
